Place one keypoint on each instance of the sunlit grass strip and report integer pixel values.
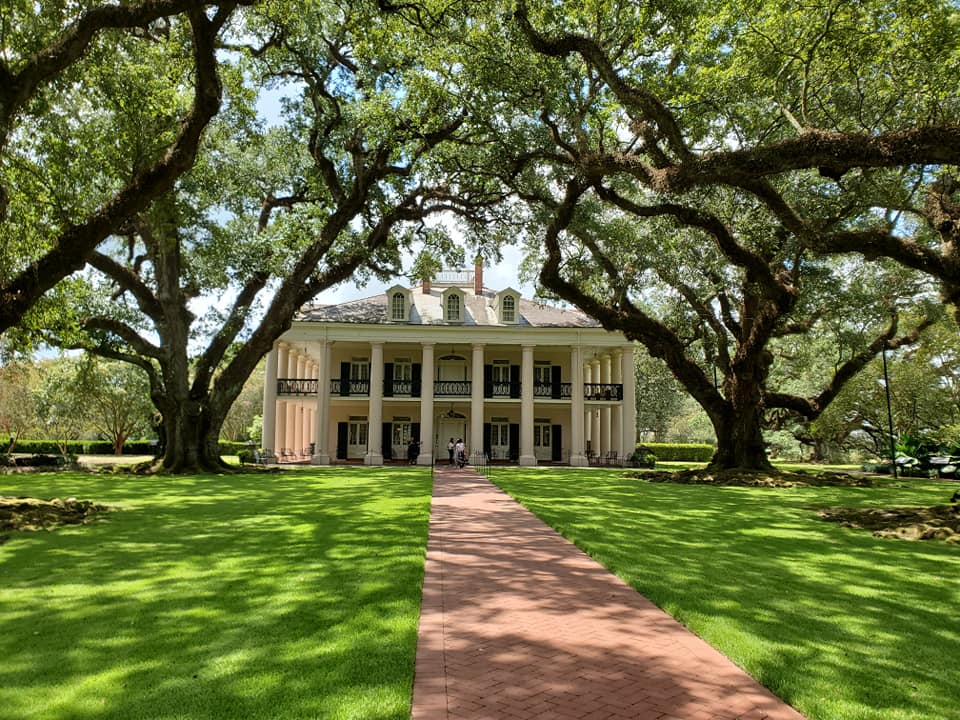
(294, 595)
(842, 625)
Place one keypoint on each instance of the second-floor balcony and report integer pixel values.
(345, 387)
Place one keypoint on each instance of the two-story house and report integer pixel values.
(518, 380)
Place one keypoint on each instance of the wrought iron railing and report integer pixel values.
(297, 386)
(452, 388)
(345, 388)
(502, 390)
(602, 391)
(402, 387)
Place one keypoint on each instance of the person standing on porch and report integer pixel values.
(461, 452)
(451, 446)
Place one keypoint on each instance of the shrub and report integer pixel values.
(680, 452)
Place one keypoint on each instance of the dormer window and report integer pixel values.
(398, 306)
(507, 306)
(453, 308)
(508, 310)
(453, 305)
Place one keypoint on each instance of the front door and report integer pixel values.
(401, 440)
(499, 441)
(356, 439)
(446, 429)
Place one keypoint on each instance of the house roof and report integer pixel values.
(428, 310)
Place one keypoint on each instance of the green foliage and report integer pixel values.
(680, 452)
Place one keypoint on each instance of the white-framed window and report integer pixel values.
(398, 306)
(360, 369)
(542, 374)
(508, 309)
(402, 370)
(454, 313)
(500, 372)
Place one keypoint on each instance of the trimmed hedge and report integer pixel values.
(680, 452)
(105, 447)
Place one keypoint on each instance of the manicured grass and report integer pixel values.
(842, 625)
(288, 595)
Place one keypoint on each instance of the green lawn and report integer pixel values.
(290, 595)
(843, 625)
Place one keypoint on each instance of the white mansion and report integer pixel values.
(518, 380)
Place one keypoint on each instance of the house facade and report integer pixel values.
(518, 380)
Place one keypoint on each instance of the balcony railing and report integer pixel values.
(297, 386)
(450, 388)
(602, 391)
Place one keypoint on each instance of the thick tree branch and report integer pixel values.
(73, 245)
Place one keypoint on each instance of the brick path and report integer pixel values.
(517, 623)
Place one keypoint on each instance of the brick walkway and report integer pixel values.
(517, 623)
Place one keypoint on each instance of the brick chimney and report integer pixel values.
(426, 286)
(478, 277)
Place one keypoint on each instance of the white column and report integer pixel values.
(290, 427)
(595, 412)
(375, 412)
(299, 433)
(283, 367)
(476, 401)
(587, 373)
(269, 433)
(629, 427)
(527, 456)
(577, 458)
(311, 410)
(321, 452)
(616, 421)
(606, 412)
(426, 406)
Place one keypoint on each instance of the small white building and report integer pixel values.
(518, 380)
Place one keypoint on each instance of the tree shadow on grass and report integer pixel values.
(205, 597)
(839, 623)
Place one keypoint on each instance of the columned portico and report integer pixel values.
(527, 457)
(521, 380)
(375, 413)
(426, 407)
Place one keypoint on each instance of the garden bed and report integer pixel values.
(26, 514)
(939, 522)
(749, 478)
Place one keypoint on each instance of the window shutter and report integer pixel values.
(514, 381)
(416, 379)
(388, 379)
(386, 441)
